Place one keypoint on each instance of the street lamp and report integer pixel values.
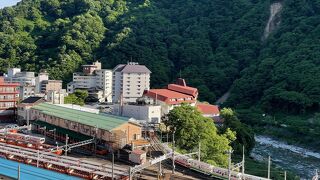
(44, 130)
(54, 133)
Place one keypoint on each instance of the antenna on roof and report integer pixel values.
(180, 74)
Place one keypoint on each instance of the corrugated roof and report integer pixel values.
(106, 122)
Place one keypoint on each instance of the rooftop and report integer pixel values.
(183, 89)
(169, 97)
(31, 100)
(106, 122)
(208, 109)
(132, 68)
(169, 94)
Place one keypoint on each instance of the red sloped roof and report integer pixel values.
(208, 109)
(184, 89)
(165, 95)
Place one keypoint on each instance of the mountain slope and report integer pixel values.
(286, 74)
(214, 44)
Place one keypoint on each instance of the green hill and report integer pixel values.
(216, 45)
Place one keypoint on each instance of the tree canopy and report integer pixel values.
(191, 128)
(244, 134)
(78, 97)
(216, 45)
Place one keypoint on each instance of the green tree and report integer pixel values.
(78, 97)
(191, 128)
(244, 134)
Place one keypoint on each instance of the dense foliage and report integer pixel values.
(244, 134)
(216, 45)
(191, 128)
(78, 97)
(208, 42)
(285, 74)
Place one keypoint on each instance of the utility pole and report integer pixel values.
(199, 151)
(38, 158)
(243, 160)
(229, 164)
(67, 138)
(269, 165)
(285, 175)
(173, 148)
(130, 173)
(160, 168)
(112, 164)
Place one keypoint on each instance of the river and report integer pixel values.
(301, 161)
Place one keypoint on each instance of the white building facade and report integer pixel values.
(146, 113)
(97, 81)
(27, 81)
(129, 82)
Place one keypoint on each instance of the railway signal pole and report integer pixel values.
(199, 149)
(173, 147)
(285, 175)
(243, 160)
(67, 138)
(112, 164)
(229, 164)
(269, 166)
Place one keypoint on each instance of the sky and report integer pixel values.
(6, 3)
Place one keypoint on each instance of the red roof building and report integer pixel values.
(208, 109)
(211, 111)
(173, 95)
(9, 96)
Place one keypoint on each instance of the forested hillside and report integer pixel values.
(214, 44)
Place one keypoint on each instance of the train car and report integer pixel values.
(38, 140)
(183, 160)
(201, 166)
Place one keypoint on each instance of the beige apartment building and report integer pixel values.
(97, 81)
(130, 81)
(51, 85)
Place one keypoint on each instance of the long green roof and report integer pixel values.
(106, 122)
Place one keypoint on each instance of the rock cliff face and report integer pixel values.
(274, 19)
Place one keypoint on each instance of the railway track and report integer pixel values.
(168, 163)
(70, 164)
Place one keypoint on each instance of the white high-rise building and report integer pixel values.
(42, 77)
(27, 81)
(97, 81)
(16, 76)
(129, 82)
